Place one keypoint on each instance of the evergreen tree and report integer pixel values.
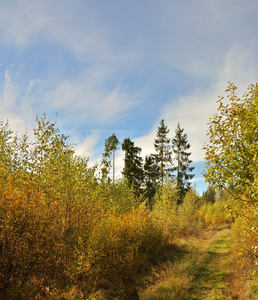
(163, 149)
(151, 175)
(111, 145)
(133, 170)
(183, 170)
(208, 196)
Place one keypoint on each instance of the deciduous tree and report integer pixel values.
(232, 156)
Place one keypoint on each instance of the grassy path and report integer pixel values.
(215, 275)
(197, 268)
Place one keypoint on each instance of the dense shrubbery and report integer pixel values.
(63, 231)
(212, 214)
(176, 219)
(60, 227)
(118, 246)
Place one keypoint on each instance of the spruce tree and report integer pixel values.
(151, 175)
(133, 170)
(163, 149)
(180, 145)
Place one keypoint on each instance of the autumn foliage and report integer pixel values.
(232, 160)
(65, 231)
(60, 227)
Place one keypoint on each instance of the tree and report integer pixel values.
(232, 157)
(133, 170)
(163, 149)
(151, 175)
(110, 148)
(208, 196)
(183, 170)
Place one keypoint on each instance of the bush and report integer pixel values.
(165, 206)
(187, 214)
(118, 246)
(31, 249)
(245, 238)
(176, 219)
(213, 214)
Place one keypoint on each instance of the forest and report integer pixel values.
(70, 231)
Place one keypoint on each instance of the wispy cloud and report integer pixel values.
(9, 92)
(194, 110)
(87, 146)
(90, 100)
(121, 67)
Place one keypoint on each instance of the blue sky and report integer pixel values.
(109, 66)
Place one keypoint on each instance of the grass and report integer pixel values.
(204, 268)
(171, 280)
(197, 267)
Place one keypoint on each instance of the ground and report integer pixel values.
(200, 267)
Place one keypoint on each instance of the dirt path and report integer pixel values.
(198, 268)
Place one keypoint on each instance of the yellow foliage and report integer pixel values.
(213, 214)
(119, 245)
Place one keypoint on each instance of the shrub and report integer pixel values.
(31, 256)
(118, 246)
(186, 214)
(165, 206)
(213, 214)
(245, 238)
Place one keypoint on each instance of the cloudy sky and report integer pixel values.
(120, 66)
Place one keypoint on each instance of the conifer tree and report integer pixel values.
(163, 149)
(111, 145)
(133, 170)
(151, 175)
(208, 196)
(180, 145)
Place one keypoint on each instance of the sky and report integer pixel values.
(98, 67)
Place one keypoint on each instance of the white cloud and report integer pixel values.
(90, 97)
(240, 67)
(75, 26)
(20, 20)
(117, 43)
(194, 110)
(87, 146)
(197, 179)
(32, 84)
(15, 105)
(8, 100)
(9, 92)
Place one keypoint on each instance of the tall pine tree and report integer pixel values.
(180, 145)
(163, 149)
(133, 170)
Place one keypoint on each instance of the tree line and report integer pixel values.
(171, 159)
